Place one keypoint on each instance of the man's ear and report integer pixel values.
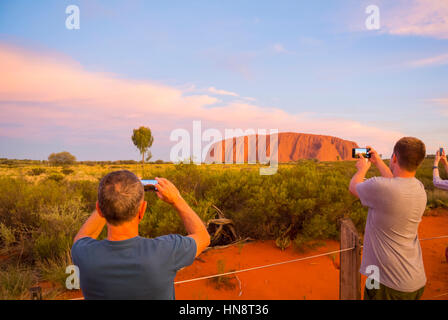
(99, 210)
(141, 212)
(394, 158)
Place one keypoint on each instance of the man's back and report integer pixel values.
(396, 206)
(136, 268)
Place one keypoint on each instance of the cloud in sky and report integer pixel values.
(415, 17)
(43, 97)
(430, 61)
(222, 92)
(280, 48)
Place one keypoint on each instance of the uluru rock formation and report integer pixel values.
(291, 147)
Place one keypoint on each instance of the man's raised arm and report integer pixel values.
(379, 163)
(363, 166)
(193, 224)
(92, 227)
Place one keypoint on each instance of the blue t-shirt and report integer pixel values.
(137, 268)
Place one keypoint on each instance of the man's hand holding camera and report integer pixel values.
(363, 164)
(167, 191)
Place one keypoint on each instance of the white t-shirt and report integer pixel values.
(396, 207)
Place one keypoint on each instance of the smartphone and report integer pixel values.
(441, 151)
(149, 185)
(358, 151)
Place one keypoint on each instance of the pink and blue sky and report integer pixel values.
(302, 66)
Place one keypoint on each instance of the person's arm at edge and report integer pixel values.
(438, 182)
(435, 170)
(444, 161)
(193, 224)
(363, 166)
(92, 227)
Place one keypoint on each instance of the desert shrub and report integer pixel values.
(59, 223)
(67, 171)
(55, 177)
(36, 171)
(15, 282)
(42, 217)
(223, 282)
(53, 269)
(61, 159)
(7, 235)
(46, 245)
(437, 199)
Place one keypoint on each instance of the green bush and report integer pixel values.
(7, 235)
(61, 159)
(15, 282)
(56, 177)
(36, 171)
(67, 171)
(53, 270)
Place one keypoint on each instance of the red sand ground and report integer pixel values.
(309, 279)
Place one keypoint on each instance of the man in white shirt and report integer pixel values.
(396, 202)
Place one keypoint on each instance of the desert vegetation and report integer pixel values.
(43, 206)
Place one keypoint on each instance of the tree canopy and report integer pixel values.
(61, 158)
(143, 139)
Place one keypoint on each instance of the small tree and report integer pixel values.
(61, 159)
(143, 139)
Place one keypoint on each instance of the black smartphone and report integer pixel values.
(441, 151)
(365, 152)
(149, 185)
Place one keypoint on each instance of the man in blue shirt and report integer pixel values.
(127, 266)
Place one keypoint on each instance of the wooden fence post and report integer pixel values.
(350, 261)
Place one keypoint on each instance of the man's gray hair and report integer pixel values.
(119, 196)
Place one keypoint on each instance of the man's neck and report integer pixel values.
(121, 232)
(400, 173)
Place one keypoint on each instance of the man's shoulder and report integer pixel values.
(83, 242)
(380, 180)
(393, 182)
(83, 247)
(170, 239)
(172, 242)
(392, 187)
(376, 183)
